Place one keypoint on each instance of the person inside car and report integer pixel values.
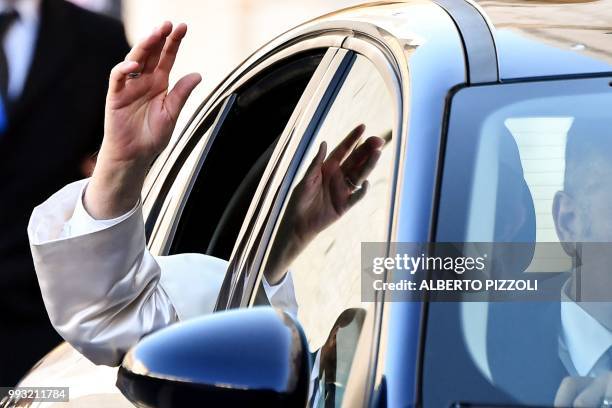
(102, 289)
(562, 352)
(582, 220)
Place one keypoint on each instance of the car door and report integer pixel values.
(339, 319)
(281, 79)
(199, 200)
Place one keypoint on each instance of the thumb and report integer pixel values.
(177, 97)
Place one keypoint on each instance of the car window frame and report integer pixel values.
(235, 277)
(322, 41)
(161, 238)
(161, 176)
(254, 65)
(378, 54)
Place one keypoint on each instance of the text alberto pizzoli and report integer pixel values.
(459, 265)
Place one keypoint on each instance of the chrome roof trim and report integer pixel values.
(478, 41)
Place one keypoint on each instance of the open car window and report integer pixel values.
(527, 164)
(207, 199)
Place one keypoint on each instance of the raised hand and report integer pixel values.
(140, 112)
(331, 186)
(140, 116)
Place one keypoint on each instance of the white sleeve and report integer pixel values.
(103, 289)
(282, 295)
(188, 299)
(82, 223)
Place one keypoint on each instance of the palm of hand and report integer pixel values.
(140, 112)
(321, 199)
(325, 193)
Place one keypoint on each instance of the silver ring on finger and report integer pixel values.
(350, 183)
(133, 75)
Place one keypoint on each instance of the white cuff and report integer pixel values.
(101, 289)
(272, 289)
(282, 295)
(82, 222)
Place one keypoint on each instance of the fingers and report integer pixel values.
(359, 174)
(317, 161)
(159, 49)
(358, 194)
(119, 75)
(140, 52)
(142, 58)
(569, 389)
(171, 47)
(345, 147)
(177, 97)
(363, 159)
(592, 395)
(153, 56)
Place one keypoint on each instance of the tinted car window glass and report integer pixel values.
(527, 163)
(224, 186)
(178, 186)
(208, 192)
(326, 272)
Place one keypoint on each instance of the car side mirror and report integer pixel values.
(249, 357)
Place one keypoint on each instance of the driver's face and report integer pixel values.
(593, 206)
(597, 214)
(583, 214)
(583, 211)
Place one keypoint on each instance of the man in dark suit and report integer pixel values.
(552, 352)
(54, 65)
(562, 353)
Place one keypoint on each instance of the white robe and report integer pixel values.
(104, 290)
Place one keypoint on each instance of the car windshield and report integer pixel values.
(527, 162)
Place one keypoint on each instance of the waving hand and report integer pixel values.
(141, 112)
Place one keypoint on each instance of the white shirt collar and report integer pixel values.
(586, 339)
(29, 10)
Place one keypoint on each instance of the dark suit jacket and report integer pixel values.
(53, 127)
(523, 347)
(522, 352)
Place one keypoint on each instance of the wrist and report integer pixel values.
(287, 245)
(114, 188)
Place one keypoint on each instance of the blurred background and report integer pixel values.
(221, 33)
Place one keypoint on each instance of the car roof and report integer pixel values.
(551, 38)
(541, 38)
